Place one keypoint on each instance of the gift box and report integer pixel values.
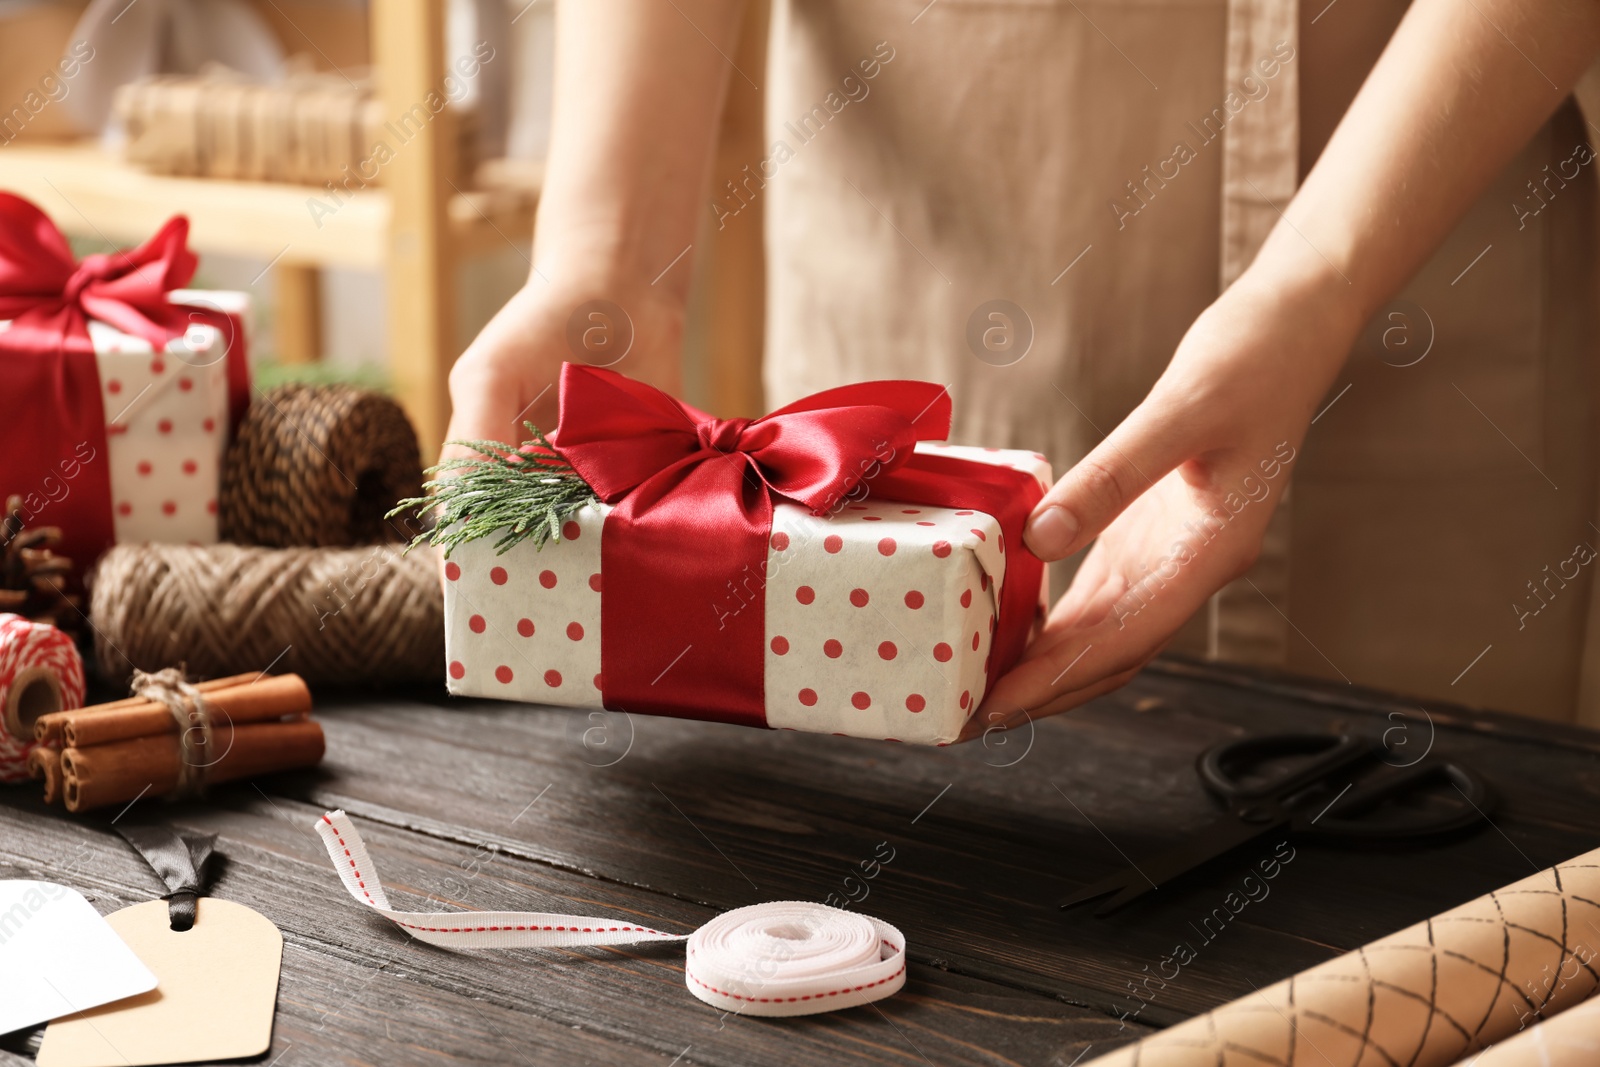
(828, 568)
(121, 386)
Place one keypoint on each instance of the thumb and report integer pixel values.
(1099, 487)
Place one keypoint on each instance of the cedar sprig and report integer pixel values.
(522, 494)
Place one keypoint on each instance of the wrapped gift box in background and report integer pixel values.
(120, 386)
(879, 618)
(167, 421)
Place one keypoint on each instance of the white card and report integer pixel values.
(58, 956)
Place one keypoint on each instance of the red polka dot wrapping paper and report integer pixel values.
(879, 617)
(166, 426)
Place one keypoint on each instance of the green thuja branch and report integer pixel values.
(522, 495)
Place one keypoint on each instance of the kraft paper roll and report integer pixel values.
(1427, 996)
(40, 672)
(1571, 1039)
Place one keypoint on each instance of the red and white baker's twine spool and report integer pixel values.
(786, 957)
(37, 661)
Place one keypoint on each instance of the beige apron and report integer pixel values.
(1104, 169)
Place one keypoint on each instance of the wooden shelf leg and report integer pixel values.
(408, 46)
(297, 322)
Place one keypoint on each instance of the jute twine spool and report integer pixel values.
(319, 466)
(330, 615)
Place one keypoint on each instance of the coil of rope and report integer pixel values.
(318, 466)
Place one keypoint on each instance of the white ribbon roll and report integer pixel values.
(785, 957)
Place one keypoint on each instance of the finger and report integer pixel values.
(1058, 662)
(1089, 598)
(482, 409)
(995, 723)
(991, 719)
(1078, 697)
(485, 408)
(1138, 623)
(1086, 499)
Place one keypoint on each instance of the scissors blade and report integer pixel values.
(1117, 883)
(1216, 840)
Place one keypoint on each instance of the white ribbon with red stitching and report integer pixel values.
(786, 957)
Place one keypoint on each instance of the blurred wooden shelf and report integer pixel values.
(415, 228)
(90, 192)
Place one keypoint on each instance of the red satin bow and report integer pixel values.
(43, 289)
(693, 499)
(621, 434)
(53, 433)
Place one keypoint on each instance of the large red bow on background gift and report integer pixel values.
(52, 423)
(693, 498)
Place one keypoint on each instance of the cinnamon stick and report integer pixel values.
(47, 729)
(273, 697)
(45, 764)
(118, 772)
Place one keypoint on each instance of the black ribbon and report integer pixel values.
(180, 860)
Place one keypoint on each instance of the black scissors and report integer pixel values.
(1324, 796)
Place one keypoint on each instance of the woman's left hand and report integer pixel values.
(1177, 498)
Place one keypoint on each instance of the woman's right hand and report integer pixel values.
(510, 373)
(637, 95)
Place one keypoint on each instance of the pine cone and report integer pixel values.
(33, 579)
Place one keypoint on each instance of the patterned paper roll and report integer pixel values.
(1571, 1039)
(1426, 997)
(40, 672)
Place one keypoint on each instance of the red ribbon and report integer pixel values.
(53, 429)
(693, 498)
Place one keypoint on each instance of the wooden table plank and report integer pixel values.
(725, 817)
(356, 989)
(487, 805)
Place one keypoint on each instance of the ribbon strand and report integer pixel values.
(193, 713)
(785, 957)
(179, 859)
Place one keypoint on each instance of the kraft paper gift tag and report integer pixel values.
(57, 956)
(216, 965)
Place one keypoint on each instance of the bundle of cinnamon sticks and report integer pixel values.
(112, 753)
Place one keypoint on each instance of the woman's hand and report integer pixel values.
(637, 94)
(1177, 498)
(1451, 100)
(510, 372)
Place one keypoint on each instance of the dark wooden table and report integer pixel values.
(494, 806)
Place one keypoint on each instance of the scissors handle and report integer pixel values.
(1347, 815)
(1348, 812)
(1220, 765)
